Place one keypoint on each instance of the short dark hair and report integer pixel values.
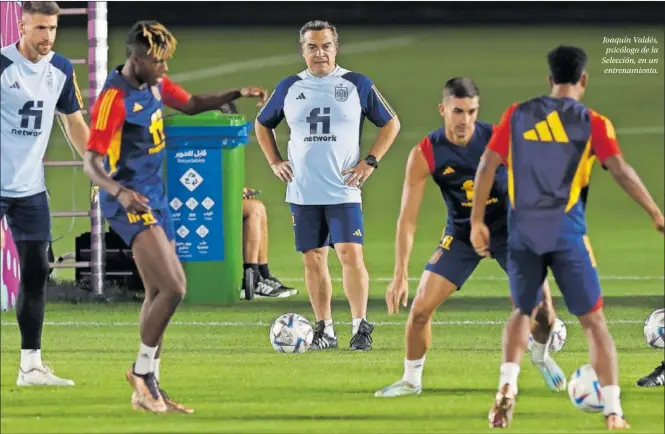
(566, 64)
(316, 25)
(151, 37)
(44, 8)
(460, 87)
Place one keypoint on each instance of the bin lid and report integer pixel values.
(205, 119)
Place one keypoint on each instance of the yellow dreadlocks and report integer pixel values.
(161, 42)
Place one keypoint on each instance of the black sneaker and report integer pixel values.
(322, 341)
(362, 341)
(264, 290)
(656, 378)
(275, 283)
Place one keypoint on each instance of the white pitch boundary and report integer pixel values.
(265, 324)
(487, 278)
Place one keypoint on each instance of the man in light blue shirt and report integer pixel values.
(325, 107)
(35, 82)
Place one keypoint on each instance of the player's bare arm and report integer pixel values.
(77, 131)
(132, 201)
(480, 237)
(268, 142)
(624, 175)
(415, 179)
(384, 140)
(213, 101)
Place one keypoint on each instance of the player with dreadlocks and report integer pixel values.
(125, 158)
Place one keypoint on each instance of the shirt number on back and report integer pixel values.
(157, 127)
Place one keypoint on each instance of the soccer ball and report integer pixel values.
(559, 335)
(584, 390)
(654, 332)
(291, 333)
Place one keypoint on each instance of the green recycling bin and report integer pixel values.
(205, 170)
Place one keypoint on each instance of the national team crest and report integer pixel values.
(341, 93)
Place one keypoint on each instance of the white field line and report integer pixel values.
(285, 59)
(265, 324)
(487, 278)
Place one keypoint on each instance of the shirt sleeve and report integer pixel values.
(603, 137)
(426, 147)
(374, 105)
(70, 100)
(106, 119)
(272, 112)
(174, 95)
(500, 141)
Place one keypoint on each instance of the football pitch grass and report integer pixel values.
(219, 359)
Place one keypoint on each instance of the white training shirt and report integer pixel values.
(31, 93)
(325, 116)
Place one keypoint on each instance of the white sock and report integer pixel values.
(508, 375)
(31, 359)
(540, 352)
(155, 368)
(413, 371)
(145, 360)
(356, 324)
(329, 328)
(611, 401)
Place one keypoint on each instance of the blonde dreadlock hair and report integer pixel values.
(154, 37)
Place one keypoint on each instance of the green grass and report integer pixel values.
(231, 375)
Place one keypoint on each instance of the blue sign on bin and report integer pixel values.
(195, 197)
(194, 173)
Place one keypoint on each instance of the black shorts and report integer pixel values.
(29, 218)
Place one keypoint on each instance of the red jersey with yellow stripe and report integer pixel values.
(127, 126)
(549, 146)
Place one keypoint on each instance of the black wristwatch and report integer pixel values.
(371, 160)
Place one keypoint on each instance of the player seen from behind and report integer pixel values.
(549, 144)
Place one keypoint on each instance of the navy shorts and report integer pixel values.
(316, 226)
(128, 226)
(455, 259)
(574, 269)
(29, 218)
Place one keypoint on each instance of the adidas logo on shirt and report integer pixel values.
(551, 129)
(15, 86)
(301, 96)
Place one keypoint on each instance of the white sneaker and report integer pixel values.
(400, 388)
(41, 376)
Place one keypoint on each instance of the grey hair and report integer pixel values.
(317, 25)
